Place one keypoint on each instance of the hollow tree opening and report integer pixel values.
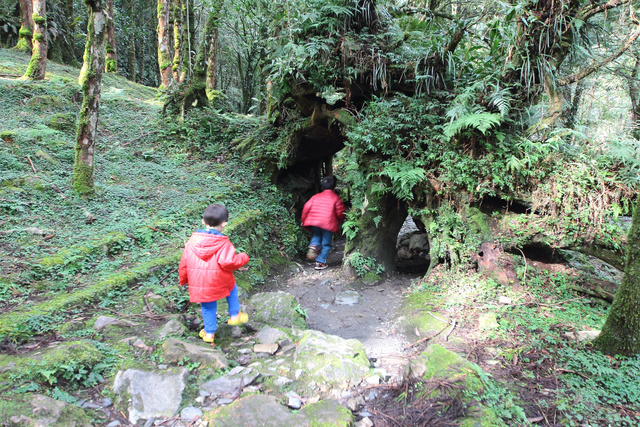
(412, 248)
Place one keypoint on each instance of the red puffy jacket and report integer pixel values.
(207, 265)
(324, 210)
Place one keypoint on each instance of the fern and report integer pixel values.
(479, 121)
(404, 177)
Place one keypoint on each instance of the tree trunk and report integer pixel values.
(165, 55)
(212, 63)
(132, 60)
(140, 59)
(38, 65)
(378, 229)
(178, 40)
(90, 80)
(196, 93)
(111, 60)
(621, 331)
(212, 54)
(634, 94)
(26, 29)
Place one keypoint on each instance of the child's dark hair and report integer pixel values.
(328, 183)
(215, 215)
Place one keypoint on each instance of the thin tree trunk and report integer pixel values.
(111, 61)
(634, 94)
(132, 60)
(26, 29)
(38, 65)
(165, 56)
(90, 80)
(621, 331)
(212, 54)
(178, 40)
(141, 52)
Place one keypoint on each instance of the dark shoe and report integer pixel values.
(312, 253)
(320, 265)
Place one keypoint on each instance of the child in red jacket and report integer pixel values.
(207, 265)
(322, 214)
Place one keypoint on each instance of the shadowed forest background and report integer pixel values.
(506, 131)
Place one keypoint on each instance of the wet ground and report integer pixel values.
(351, 309)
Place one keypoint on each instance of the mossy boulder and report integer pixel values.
(47, 103)
(330, 361)
(64, 122)
(40, 410)
(265, 410)
(277, 309)
(415, 315)
(439, 364)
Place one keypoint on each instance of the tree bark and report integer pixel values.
(196, 93)
(378, 229)
(165, 54)
(90, 80)
(38, 65)
(111, 60)
(621, 331)
(131, 69)
(178, 40)
(26, 29)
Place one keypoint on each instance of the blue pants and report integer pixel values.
(210, 311)
(323, 239)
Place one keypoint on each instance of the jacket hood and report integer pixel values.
(206, 245)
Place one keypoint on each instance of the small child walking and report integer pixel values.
(207, 265)
(322, 214)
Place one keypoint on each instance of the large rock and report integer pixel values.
(176, 350)
(151, 394)
(331, 360)
(231, 384)
(277, 309)
(41, 410)
(263, 410)
(437, 364)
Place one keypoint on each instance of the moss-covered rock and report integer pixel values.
(277, 309)
(265, 410)
(439, 364)
(40, 410)
(328, 360)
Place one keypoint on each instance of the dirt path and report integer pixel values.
(351, 309)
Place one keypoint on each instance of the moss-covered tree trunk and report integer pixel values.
(378, 229)
(621, 331)
(165, 54)
(37, 67)
(131, 62)
(111, 60)
(178, 40)
(90, 80)
(26, 28)
(212, 54)
(196, 93)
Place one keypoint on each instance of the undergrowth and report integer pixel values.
(540, 368)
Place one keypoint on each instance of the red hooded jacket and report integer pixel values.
(324, 210)
(207, 265)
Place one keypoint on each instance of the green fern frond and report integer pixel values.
(479, 121)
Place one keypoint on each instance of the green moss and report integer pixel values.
(8, 136)
(25, 32)
(111, 66)
(39, 19)
(12, 324)
(83, 178)
(326, 413)
(64, 122)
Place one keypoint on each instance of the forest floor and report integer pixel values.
(533, 376)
